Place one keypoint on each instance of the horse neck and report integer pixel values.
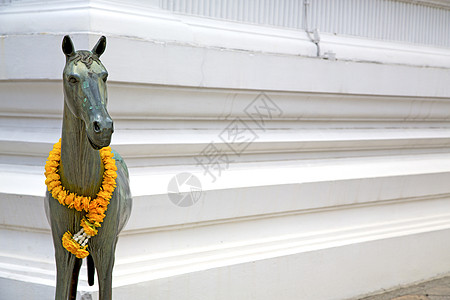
(81, 167)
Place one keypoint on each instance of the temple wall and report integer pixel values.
(316, 176)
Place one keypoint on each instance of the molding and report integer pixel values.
(386, 20)
(443, 4)
(302, 275)
(311, 144)
(141, 269)
(280, 187)
(162, 129)
(291, 276)
(42, 100)
(134, 29)
(315, 237)
(257, 70)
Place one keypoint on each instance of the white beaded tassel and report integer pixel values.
(81, 237)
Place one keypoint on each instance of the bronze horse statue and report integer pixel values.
(87, 128)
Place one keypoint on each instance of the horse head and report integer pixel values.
(84, 80)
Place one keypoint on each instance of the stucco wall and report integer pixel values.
(320, 178)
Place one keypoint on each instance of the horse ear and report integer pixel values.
(100, 47)
(67, 46)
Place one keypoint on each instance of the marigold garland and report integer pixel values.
(95, 208)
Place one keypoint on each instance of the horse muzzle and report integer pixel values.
(99, 131)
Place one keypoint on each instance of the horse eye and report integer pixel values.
(73, 79)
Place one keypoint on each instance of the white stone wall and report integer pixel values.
(338, 188)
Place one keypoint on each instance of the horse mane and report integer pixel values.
(86, 57)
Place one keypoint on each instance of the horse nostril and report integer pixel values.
(96, 127)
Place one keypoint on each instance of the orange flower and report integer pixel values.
(93, 204)
(69, 199)
(73, 247)
(71, 204)
(51, 177)
(111, 165)
(92, 217)
(98, 210)
(54, 157)
(53, 184)
(95, 208)
(85, 203)
(89, 228)
(48, 181)
(49, 169)
(82, 252)
(56, 190)
(51, 163)
(57, 145)
(69, 243)
(106, 152)
(109, 188)
(109, 181)
(102, 202)
(62, 196)
(98, 202)
(104, 194)
(108, 161)
(77, 203)
(111, 173)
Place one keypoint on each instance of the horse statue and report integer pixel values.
(88, 201)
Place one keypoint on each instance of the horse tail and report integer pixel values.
(90, 270)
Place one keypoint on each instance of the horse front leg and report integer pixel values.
(102, 252)
(67, 268)
(67, 265)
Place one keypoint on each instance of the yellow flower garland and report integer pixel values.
(95, 208)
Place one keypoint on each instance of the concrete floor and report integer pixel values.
(436, 289)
